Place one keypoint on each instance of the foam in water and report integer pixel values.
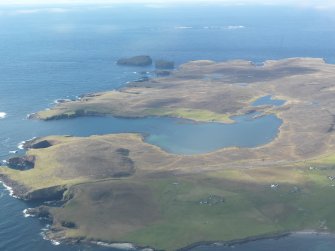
(229, 27)
(235, 27)
(124, 246)
(55, 243)
(63, 100)
(21, 144)
(3, 115)
(26, 214)
(183, 27)
(9, 189)
(44, 236)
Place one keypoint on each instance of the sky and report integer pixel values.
(299, 3)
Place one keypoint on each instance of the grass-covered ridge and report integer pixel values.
(192, 114)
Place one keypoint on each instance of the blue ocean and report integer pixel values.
(49, 53)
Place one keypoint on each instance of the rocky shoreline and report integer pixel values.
(236, 242)
(16, 190)
(21, 192)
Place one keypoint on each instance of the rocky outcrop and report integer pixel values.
(123, 151)
(164, 65)
(16, 189)
(46, 194)
(68, 224)
(35, 144)
(136, 61)
(22, 163)
(40, 212)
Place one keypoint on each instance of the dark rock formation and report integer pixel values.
(60, 101)
(46, 194)
(22, 163)
(38, 144)
(68, 224)
(18, 190)
(136, 61)
(123, 151)
(40, 212)
(163, 64)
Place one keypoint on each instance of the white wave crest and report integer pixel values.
(62, 100)
(234, 27)
(21, 144)
(228, 27)
(45, 237)
(9, 189)
(26, 214)
(55, 243)
(124, 246)
(183, 27)
(3, 115)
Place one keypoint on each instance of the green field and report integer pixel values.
(173, 212)
(192, 114)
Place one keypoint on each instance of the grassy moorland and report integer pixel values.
(117, 188)
(192, 114)
(202, 91)
(158, 200)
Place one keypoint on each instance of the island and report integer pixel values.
(142, 60)
(118, 188)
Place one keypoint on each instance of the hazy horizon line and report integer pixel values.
(297, 3)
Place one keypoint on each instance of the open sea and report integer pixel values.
(48, 53)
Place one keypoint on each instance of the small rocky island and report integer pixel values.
(119, 188)
(142, 60)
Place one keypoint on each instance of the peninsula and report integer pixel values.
(118, 188)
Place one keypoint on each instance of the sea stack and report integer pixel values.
(142, 60)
